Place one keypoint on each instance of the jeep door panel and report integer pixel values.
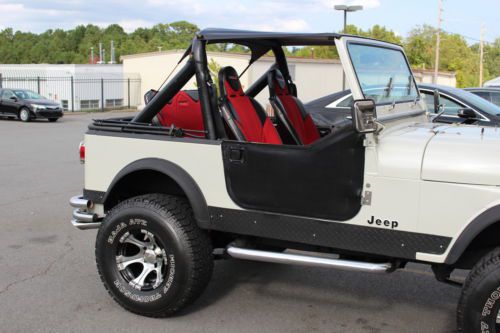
(323, 180)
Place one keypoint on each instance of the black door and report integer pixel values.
(495, 97)
(9, 103)
(326, 116)
(323, 180)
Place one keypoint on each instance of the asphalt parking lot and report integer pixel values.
(49, 283)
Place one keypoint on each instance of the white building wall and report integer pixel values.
(155, 67)
(54, 81)
(426, 76)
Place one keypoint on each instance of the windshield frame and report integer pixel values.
(389, 47)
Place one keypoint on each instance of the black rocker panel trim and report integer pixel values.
(323, 180)
(337, 235)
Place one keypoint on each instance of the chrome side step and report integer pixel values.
(297, 259)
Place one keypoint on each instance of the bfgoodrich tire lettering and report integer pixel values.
(479, 303)
(151, 256)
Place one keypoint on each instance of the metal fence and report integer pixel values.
(81, 93)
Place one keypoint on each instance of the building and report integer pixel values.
(494, 83)
(76, 87)
(314, 77)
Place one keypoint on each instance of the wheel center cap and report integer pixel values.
(150, 256)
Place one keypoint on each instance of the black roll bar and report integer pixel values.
(283, 67)
(202, 80)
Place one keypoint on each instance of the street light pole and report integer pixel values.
(345, 21)
(346, 9)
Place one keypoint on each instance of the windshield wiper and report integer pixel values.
(388, 88)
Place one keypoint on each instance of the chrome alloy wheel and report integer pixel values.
(141, 260)
(24, 115)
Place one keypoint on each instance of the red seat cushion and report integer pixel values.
(299, 119)
(249, 117)
(183, 111)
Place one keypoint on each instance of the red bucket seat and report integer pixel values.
(183, 111)
(297, 120)
(244, 116)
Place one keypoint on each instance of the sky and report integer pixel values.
(459, 16)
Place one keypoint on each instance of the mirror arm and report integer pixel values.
(440, 106)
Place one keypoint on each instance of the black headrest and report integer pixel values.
(276, 82)
(228, 74)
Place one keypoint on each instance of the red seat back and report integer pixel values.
(183, 111)
(295, 112)
(245, 117)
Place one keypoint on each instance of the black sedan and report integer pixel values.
(27, 105)
(490, 94)
(459, 105)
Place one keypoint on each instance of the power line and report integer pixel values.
(467, 37)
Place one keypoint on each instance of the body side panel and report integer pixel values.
(203, 162)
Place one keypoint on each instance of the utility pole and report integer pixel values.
(481, 55)
(92, 55)
(438, 41)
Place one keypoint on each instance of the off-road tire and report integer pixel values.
(480, 299)
(187, 247)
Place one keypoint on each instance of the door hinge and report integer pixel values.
(366, 199)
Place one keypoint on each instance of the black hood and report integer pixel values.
(42, 102)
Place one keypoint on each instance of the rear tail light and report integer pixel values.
(81, 151)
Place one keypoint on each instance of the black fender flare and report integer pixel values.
(178, 174)
(480, 223)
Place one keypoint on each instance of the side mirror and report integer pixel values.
(364, 115)
(149, 96)
(467, 113)
(14, 98)
(437, 104)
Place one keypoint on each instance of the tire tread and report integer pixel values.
(481, 269)
(177, 211)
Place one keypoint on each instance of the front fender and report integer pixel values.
(480, 223)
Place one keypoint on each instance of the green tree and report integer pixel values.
(73, 46)
(455, 55)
